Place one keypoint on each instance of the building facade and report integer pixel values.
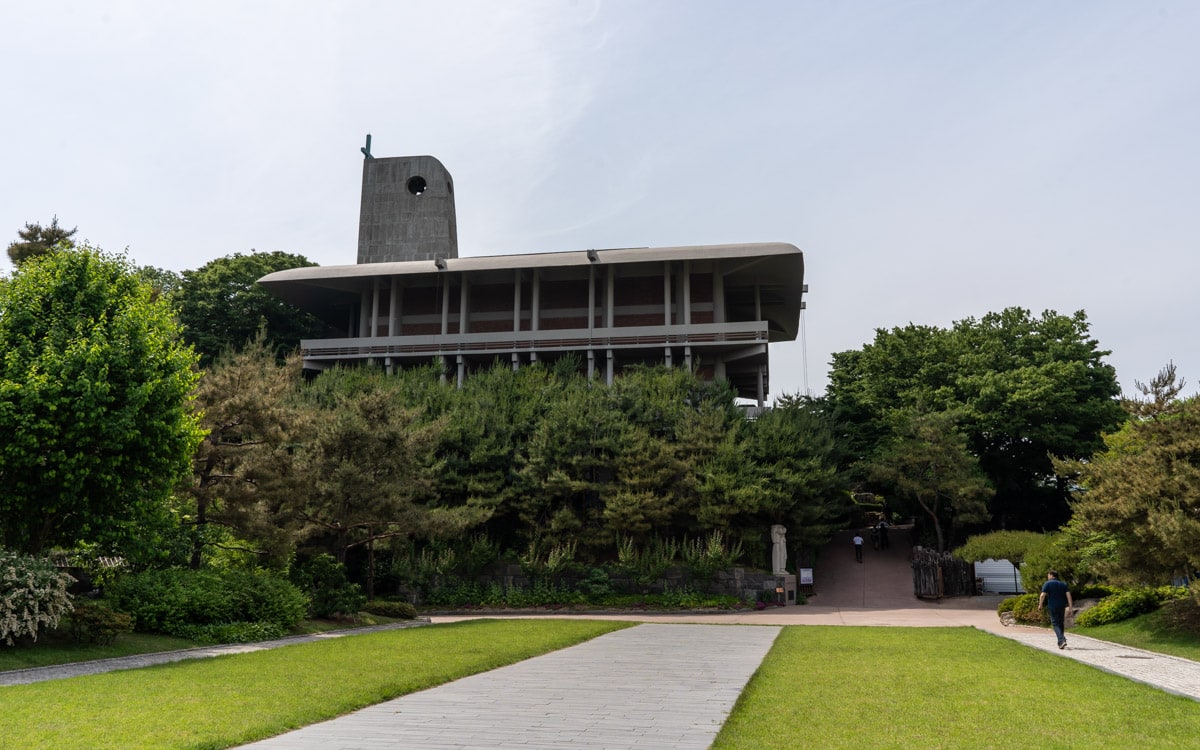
(711, 308)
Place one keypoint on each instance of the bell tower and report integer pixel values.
(407, 210)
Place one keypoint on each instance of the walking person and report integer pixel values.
(883, 534)
(858, 545)
(1056, 596)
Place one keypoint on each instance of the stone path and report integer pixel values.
(1169, 673)
(654, 686)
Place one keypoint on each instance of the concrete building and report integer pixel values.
(410, 299)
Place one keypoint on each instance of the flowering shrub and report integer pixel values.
(33, 595)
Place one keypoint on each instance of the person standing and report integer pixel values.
(883, 534)
(1056, 596)
(858, 545)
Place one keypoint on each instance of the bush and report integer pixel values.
(324, 579)
(231, 632)
(1025, 610)
(1128, 604)
(168, 601)
(396, 610)
(93, 622)
(1095, 591)
(33, 596)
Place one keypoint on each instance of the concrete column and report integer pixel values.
(608, 368)
(445, 303)
(609, 296)
(464, 324)
(591, 364)
(591, 299)
(687, 357)
(462, 370)
(666, 292)
(762, 388)
(516, 301)
(374, 308)
(395, 305)
(687, 293)
(718, 294)
(364, 313)
(516, 362)
(535, 311)
(388, 365)
(757, 301)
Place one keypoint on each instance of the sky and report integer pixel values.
(934, 161)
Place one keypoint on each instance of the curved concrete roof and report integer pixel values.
(777, 267)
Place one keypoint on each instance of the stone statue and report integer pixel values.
(779, 550)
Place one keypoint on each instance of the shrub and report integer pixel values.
(325, 581)
(1095, 591)
(397, 610)
(1025, 610)
(1128, 604)
(33, 596)
(231, 632)
(167, 601)
(93, 622)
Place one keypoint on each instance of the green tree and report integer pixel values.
(37, 241)
(570, 460)
(927, 464)
(364, 469)
(95, 399)
(1024, 388)
(791, 450)
(1140, 497)
(241, 472)
(221, 305)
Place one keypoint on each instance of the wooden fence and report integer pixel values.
(938, 574)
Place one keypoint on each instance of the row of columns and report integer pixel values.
(369, 316)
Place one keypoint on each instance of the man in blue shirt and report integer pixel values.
(1057, 597)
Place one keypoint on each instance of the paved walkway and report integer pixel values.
(655, 686)
(669, 683)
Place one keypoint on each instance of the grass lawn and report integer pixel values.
(1150, 632)
(866, 687)
(58, 648)
(231, 700)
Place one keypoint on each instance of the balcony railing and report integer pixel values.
(634, 337)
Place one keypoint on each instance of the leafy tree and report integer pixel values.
(37, 241)
(927, 463)
(489, 423)
(221, 305)
(1142, 495)
(791, 450)
(95, 400)
(241, 471)
(1024, 388)
(571, 457)
(364, 470)
(1000, 545)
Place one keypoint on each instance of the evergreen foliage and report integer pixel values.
(37, 241)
